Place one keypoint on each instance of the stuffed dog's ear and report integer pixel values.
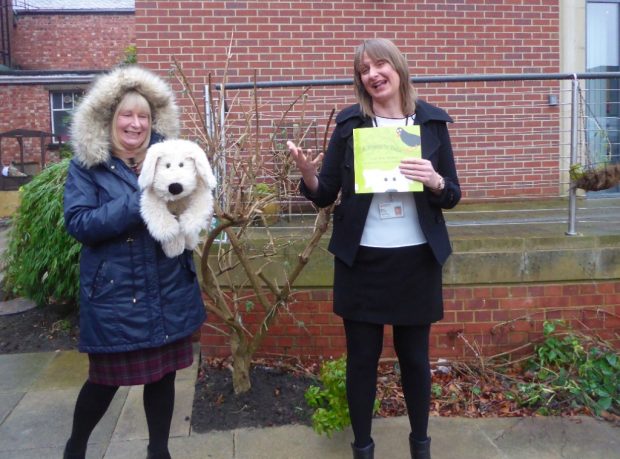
(147, 174)
(204, 168)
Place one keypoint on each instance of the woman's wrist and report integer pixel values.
(441, 184)
(311, 182)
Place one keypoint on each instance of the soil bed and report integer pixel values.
(40, 329)
(276, 398)
(278, 385)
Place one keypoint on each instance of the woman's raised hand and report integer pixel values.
(304, 162)
(306, 165)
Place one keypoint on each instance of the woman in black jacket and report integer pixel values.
(390, 246)
(138, 308)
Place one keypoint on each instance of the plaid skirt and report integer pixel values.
(142, 366)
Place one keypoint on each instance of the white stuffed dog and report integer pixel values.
(177, 186)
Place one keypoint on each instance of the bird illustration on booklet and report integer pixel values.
(378, 152)
(410, 139)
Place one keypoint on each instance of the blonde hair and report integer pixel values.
(383, 49)
(132, 100)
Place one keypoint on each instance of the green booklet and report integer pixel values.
(378, 152)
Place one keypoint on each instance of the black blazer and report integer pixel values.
(337, 175)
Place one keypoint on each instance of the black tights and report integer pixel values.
(94, 400)
(364, 345)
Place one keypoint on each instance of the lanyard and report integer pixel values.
(375, 124)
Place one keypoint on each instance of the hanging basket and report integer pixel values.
(595, 170)
(598, 179)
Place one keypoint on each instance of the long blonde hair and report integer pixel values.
(131, 100)
(383, 49)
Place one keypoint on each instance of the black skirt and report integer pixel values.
(398, 286)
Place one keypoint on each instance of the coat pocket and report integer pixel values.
(98, 281)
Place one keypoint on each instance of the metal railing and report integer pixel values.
(515, 136)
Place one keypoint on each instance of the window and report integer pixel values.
(603, 96)
(62, 104)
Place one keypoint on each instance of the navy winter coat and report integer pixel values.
(131, 295)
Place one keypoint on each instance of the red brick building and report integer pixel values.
(510, 138)
(50, 52)
(51, 49)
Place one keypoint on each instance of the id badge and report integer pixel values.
(391, 209)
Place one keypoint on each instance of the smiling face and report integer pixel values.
(380, 80)
(131, 124)
(381, 77)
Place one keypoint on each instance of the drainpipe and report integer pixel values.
(6, 32)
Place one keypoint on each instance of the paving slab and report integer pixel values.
(16, 305)
(455, 437)
(183, 404)
(392, 439)
(216, 445)
(8, 401)
(204, 446)
(566, 438)
(43, 419)
(132, 421)
(36, 453)
(68, 369)
(293, 441)
(20, 371)
(462, 438)
(94, 452)
(128, 449)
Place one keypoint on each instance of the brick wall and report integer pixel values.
(24, 107)
(301, 39)
(315, 40)
(71, 41)
(478, 319)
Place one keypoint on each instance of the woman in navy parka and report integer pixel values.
(138, 308)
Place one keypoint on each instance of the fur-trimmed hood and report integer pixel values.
(90, 129)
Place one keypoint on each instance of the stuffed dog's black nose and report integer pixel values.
(175, 188)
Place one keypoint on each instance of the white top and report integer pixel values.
(392, 219)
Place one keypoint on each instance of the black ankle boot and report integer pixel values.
(420, 449)
(157, 455)
(367, 452)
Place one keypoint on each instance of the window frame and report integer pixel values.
(75, 94)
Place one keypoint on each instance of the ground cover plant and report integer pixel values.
(571, 370)
(566, 373)
(328, 398)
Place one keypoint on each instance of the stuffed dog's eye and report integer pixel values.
(180, 164)
(167, 165)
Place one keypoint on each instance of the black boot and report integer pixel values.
(367, 452)
(157, 455)
(420, 449)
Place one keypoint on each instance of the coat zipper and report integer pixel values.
(130, 241)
